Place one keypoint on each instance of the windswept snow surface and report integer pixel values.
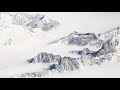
(18, 44)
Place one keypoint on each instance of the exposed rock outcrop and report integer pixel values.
(79, 39)
(29, 21)
(23, 19)
(66, 64)
(61, 63)
(45, 58)
(34, 21)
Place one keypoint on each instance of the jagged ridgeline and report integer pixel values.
(68, 63)
(80, 39)
(107, 44)
(31, 21)
(106, 52)
(59, 63)
(102, 54)
(56, 62)
(108, 49)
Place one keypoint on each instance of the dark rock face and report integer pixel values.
(62, 63)
(85, 51)
(110, 34)
(56, 67)
(66, 64)
(89, 57)
(69, 63)
(45, 58)
(79, 39)
(106, 48)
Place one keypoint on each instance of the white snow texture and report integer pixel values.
(59, 44)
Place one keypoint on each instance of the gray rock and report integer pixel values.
(23, 19)
(62, 63)
(34, 21)
(107, 48)
(45, 58)
(66, 64)
(85, 51)
(79, 39)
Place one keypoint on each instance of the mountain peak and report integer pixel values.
(79, 39)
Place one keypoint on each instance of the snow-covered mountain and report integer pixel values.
(24, 34)
(56, 62)
(80, 39)
(106, 53)
(28, 21)
(20, 28)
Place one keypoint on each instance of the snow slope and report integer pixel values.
(17, 44)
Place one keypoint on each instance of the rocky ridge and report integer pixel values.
(29, 21)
